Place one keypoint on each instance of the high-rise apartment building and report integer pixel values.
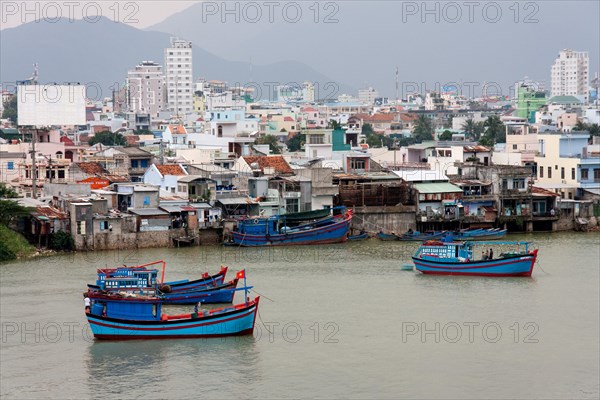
(145, 88)
(569, 75)
(179, 83)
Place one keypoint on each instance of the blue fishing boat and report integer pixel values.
(141, 276)
(387, 236)
(458, 258)
(275, 231)
(360, 236)
(420, 237)
(210, 295)
(142, 318)
(479, 234)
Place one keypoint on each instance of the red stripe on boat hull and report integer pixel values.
(248, 331)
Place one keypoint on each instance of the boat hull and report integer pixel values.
(422, 237)
(214, 280)
(335, 232)
(513, 266)
(233, 323)
(221, 294)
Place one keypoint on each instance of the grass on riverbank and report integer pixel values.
(13, 245)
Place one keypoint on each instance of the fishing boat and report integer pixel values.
(141, 317)
(458, 258)
(276, 231)
(418, 236)
(479, 234)
(360, 236)
(210, 294)
(387, 236)
(141, 276)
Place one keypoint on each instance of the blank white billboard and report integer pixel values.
(45, 105)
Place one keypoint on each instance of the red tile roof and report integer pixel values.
(308, 109)
(288, 119)
(408, 117)
(278, 163)
(170, 169)
(91, 168)
(177, 129)
(66, 141)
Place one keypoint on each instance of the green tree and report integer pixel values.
(296, 142)
(446, 135)
(7, 192)
(367, 129)
(593, 129)
(10, 210)
(62, 241)
(580, 126)
(272, 141)
(333, 124)
(495, 131)
(143, 132)
(10, 109)
(108, 138)
(423, 129)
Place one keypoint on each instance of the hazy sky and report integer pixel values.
(140, 14)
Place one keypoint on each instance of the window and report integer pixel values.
(573, 174)
(291, 205)
(541, 172)
(514, 146)
(519, 183)
(81, 227)
(562, 172)
(11, 165)
(584, 174)
(146, 200)
(357, 163)
(596, 174)
(549, 172)
(103, 225)
(504, 184)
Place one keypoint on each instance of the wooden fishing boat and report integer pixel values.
(479, 234)
(141, 276)
(420, 237)
(272, 232)
(143, 318)
(360, 236)
(387, 236)
(458, 258)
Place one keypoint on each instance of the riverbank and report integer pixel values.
(13, 245)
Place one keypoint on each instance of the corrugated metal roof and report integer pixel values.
(147, 211)
(236, 200)
(171, 209)
(437, 187)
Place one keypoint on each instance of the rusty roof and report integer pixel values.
(170, 169)
(91, 168)
(50, 212)
(542, 192)
(476, 149)
(278, 163)
(375, 117)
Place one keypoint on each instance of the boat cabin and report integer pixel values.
(145, 309)
(448, 251)
(126, 278)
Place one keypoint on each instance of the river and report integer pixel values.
(335, 321)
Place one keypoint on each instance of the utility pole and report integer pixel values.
(33, 165)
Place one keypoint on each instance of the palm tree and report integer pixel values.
(495, 131)
(580, 126)
(423, 130)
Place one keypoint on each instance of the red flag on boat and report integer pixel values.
(241, 274)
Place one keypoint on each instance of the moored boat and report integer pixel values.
(360, 236)
(458, 258)
(273, 231)
(422, 236)
(387, 236)
(142, 277)
(142, 318)
(479, 234)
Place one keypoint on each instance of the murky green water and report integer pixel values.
(335, 321)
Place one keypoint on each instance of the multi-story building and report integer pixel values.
(179, 83)
(568, 165)
(368, 95)
(145, 85)
(529, 100)
(570, 74)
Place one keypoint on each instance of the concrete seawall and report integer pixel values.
(389, 219)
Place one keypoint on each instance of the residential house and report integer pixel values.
(568, 165)
(166, 177)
